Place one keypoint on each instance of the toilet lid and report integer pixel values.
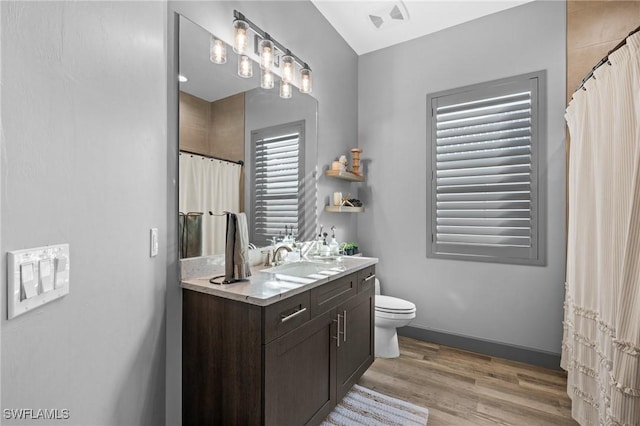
(393, 305)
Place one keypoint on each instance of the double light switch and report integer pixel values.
(36, 276)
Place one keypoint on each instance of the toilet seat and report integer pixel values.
(393, 305)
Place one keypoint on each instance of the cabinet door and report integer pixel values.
(300, 378)
(356, 328)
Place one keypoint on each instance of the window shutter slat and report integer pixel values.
(490, 144)
(485, 221)
(463, 154)
(479, 104)
(485, 162)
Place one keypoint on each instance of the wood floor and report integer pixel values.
(464, 388)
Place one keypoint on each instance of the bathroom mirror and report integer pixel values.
(224, 121)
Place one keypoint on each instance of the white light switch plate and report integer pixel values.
(153, 242)
(47, 280)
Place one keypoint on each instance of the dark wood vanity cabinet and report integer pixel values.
(355, 353)
(299, 378)
(288, 363)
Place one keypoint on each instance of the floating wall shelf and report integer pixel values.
(339, 174)
(343, 209)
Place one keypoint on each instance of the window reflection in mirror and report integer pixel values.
(219, 113)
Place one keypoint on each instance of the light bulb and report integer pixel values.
(288, 68)
(266, 79)
(240, 37)
(245, 66)
(306, 80)
(217, 51)
(285, 90)
(266, 54)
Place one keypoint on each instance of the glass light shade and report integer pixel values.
(267, 81)
(288, 68)
(217, 51)
(245, 66)
(285, 90)
(306, 80)
(266, 54)
(240, 36)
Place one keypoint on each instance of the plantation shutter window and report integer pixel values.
(485, 194)
(278, 170)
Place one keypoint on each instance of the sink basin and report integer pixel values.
(305, 271)
(280, 284)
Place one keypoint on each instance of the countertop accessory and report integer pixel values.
(356, 161)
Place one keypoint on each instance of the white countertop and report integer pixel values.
(265, 287)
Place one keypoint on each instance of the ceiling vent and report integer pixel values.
(377, 21)
(395, 13)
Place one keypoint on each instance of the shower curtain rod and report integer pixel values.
(213, 157)
(605, 60)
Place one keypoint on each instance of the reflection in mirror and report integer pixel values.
(242, 148)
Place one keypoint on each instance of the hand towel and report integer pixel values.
(237, 248)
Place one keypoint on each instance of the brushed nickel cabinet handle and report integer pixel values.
(337, 336)
(344, 326)
(369, 278)
(293, 315)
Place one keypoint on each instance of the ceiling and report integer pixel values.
(371, 25)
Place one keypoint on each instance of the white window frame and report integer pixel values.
(481, 229)
(276, 132)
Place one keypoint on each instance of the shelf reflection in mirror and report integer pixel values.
(219, 111)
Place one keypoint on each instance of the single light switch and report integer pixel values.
(27, 281)
(46, 275)
(154, 242)
(61, 267)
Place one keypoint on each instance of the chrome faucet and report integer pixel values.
(277, 256)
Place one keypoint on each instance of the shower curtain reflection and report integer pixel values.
(209, 185)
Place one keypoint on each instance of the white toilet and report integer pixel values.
(391, 313)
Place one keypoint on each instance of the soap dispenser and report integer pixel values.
(334, 247)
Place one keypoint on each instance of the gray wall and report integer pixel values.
(516, 305)
(84, 163)
(302, 28)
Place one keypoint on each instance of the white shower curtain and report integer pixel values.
(209, 185)
(601, 343)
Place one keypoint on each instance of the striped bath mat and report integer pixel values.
(362, 406)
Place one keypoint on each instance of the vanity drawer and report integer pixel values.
(333, 293)
(286, 315)
(366, 278)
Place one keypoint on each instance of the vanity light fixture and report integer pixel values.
(306, 80)
(245, 66)
(266, 53)
(285, 90)
(272, 55)
(240, 36)
(217, 51)
(288, 68)
(267, 80)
